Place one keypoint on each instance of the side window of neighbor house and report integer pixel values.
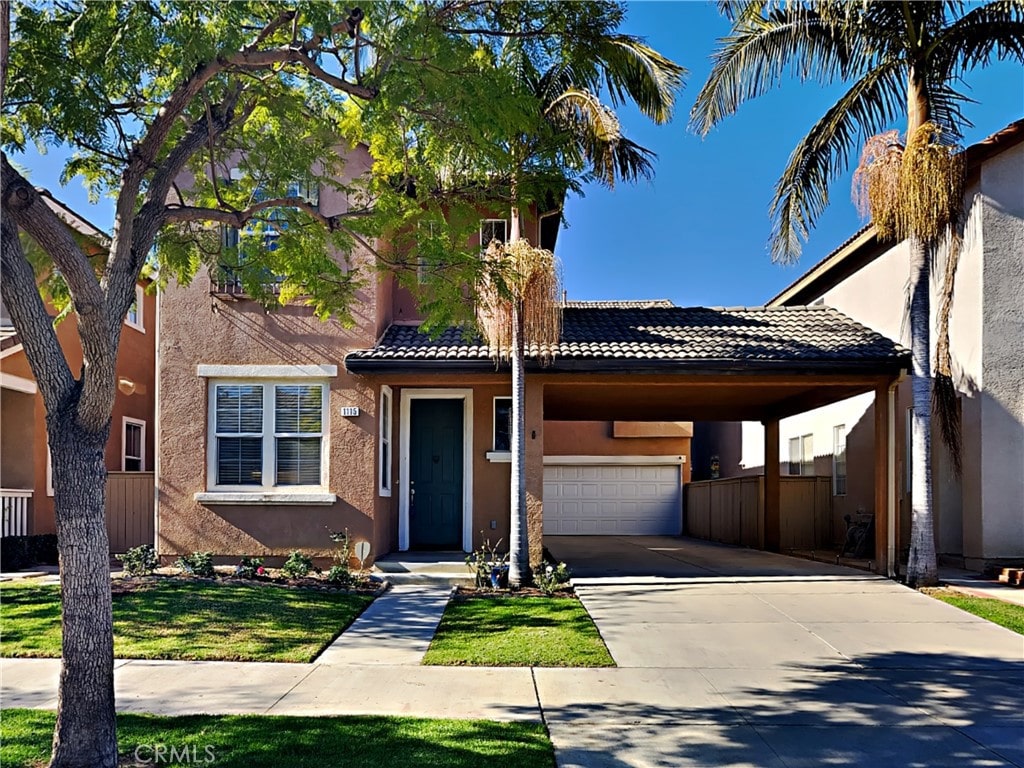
(492, 229)
(134, 317)
(133, 445)
(384, 452)
(801, 455)
(839, 460)
(267, 434)
(502, 424)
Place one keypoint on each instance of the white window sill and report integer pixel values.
(500, 457)
(265, 497)
(136, 326)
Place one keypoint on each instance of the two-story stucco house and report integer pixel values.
(274, 427)
(25, 469)
(979, 516)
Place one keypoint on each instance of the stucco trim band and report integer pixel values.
(548, 460)
(266, 371)
(265, 498)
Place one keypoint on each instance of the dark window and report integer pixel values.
(503, 424)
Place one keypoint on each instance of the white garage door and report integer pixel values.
(624, 499)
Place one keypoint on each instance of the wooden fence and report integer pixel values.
(731, 510)
(129, 509)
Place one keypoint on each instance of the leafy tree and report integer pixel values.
(901, 60)
(201, 118)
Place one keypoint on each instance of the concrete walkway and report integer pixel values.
(727, 657)
(395, 630)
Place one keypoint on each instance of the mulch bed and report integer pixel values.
(468, 593)
(128, 584)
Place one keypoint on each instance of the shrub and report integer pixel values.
(484, 560)
(340, 572)
(550, 578)
(139, 561)
(18, 552)
(197, 564)
(249, 568)
(297, 565)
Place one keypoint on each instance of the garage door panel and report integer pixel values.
(612, 499)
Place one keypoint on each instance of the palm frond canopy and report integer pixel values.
(886, 51)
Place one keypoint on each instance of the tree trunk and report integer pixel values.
(85, 735)
(922, 569)
(517, 570)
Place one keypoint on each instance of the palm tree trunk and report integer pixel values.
(517, 570)
(85, 735)
(921, 568)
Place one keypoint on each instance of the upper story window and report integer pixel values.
(801, 455)
(493, 229)
(133, 445)
(267, 434)
(134, 318)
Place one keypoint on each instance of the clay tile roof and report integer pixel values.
(659, 335)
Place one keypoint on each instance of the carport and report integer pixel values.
(636, 362)
(652, 361)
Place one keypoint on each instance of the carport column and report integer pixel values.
(535, 467)
(772, 524)
(882, 478)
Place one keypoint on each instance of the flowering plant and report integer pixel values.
(550, 578)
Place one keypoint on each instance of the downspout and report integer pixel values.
(156, 422)
(540, 221)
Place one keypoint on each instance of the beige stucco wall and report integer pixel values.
(17, 427)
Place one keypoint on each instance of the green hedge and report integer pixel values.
(18, 552)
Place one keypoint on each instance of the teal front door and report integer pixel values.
(435, 474)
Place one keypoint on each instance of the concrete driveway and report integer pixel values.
(732, 657)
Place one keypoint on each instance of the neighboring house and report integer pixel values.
(25, 471)
(980, 516)
(275, 427)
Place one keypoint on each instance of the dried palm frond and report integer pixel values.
(931, 186)
(911, 191)
(876, 182)
(521, 275)
(945, 401)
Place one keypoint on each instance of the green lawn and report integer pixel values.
(296, 742)
(998, 612)
(517, 632)
(189, 620)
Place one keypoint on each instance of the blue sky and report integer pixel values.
(697, 233)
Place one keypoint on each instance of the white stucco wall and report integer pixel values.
(1002, 393)
(981, 516)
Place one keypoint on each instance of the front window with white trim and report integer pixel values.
(133, 445)
(502, 424)
(267, 434)
(384, 450)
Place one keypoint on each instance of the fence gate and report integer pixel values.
(129, 509)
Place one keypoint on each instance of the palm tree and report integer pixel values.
(902, 60)
(580, 136)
